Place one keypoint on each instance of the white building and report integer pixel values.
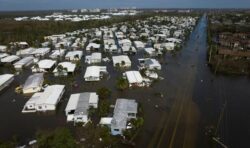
(124, 111)
(94, 73)
(33, 84)
(3, 55)
(152, 51)
(45, 101)
(121, 60)
(67, 68)
(150, 64)
(74, 55)
(78, 106)
(3, 48)
(93, 46)
(5, 80)
(43, 66)
(41, 52)
(10, 59)
(25, 62)
(57, 53)
(135, 79)
(168, 46)
(94, 58)
(139, 44)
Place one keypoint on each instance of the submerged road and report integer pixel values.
(179, 126)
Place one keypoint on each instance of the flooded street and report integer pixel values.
(192, 101)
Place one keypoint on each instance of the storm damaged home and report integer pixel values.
(124, 110)
(6, 80)
(78, 106)
(44, 101)
(95, 73)
(33, 84)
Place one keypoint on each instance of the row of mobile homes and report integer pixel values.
(121, 61)
(44, 66)
(10, 59)
(25, 62)
(95, 73)
(78, 106)
(94, 58)
(150, 64)
(74, 55)
(33, 83)
(45, 101)
(124, 110)
(64, 69)
(5, 80)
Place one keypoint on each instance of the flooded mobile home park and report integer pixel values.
(180, 98)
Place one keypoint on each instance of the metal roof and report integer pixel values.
(33, 81)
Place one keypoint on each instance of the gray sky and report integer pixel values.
(69, 4)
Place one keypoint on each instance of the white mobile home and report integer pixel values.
(93, 47)
(152, 51)
(139, 44)
(124, 110)
(94, 73)
(43, 66)
(150, 64)
(94, 58)
(10, 59)
(25, 62)
(3, 55)
(66, 68)
(33, 84)
(74, 55)
(5, 80)
(121, 60)
(3, 48)
(45, 101)
(57, 53)
(78, 106)
(134, 78)
(41, 52)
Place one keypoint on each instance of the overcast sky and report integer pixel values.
(71, 4)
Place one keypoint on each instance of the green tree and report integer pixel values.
(103, 93)
(59, 138)
(122, 84)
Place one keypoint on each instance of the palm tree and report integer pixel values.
(123, 63)
(59, 69)
(121, 84)
(36, 66)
